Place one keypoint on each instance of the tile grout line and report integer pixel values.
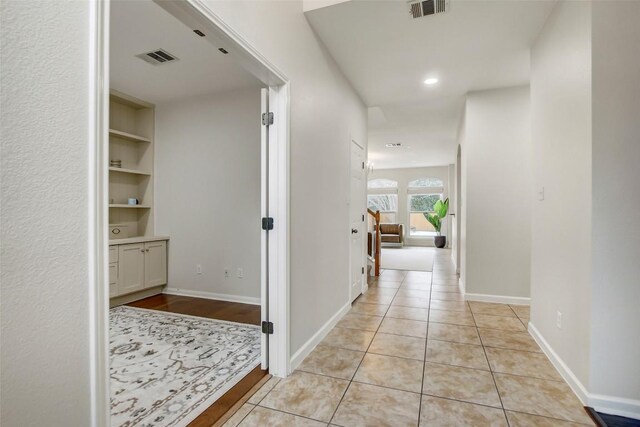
(495, 384)
(426, 343)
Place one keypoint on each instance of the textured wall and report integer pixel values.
(208, 191)
(616, 201)
(44, 205)
(561, 224)
(496, 162)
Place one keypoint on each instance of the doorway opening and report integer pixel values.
(191, 206)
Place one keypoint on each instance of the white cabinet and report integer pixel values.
(155, 264)
(113, 279)
(130, 268)
(137, 264)
(113, 271)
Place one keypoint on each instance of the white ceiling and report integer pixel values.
(387, 55)
(139, 26)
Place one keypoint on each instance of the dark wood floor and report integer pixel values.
(221, 310)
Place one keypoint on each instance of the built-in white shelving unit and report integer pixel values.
(137, 258)
(131, 133)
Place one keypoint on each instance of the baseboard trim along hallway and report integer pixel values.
(308, 347)
(212, 295)
(601, 403)
(500, 299)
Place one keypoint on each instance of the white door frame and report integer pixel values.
(363, 203)
(195, 14)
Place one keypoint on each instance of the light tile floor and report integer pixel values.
(412, 352)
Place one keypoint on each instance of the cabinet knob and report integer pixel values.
(147, 250)
(141, 250)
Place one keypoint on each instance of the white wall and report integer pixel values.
(496, 175)
(561, 224)
(207, 191)
(325, 114)
(615, 317)
(44, 345)
(403, 176)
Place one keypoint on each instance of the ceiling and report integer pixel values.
(142, 26)
(387, 55)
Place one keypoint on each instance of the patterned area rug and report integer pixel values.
(167, 368)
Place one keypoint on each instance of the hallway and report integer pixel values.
(412, 352)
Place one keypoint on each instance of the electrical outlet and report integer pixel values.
(240, 273)
(198, 269)
(559, 320)
(226, 273)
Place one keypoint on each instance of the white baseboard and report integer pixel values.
(566, 373)
(497, 298)
(612, 405)
(212, 295)
(308, 347)
(602, 403)
(461, 285)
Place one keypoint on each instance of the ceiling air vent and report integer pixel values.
(157, 57)
(418, 9)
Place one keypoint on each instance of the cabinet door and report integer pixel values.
(113, 279)
(155, 264)
(130, 268)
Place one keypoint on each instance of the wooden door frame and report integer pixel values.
(197, 14)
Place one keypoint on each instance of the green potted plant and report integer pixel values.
(440, 210)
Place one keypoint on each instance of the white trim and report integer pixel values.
(308, 347)
(560, 366)
(212, 295)
(279, 293)
(612, 405)
(264, 212)
(461, 286)
(500, 299)
(602, 403)
(98, 213)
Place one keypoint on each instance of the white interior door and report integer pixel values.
(264, 243)
(357, 215)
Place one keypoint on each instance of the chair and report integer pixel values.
(392, 234)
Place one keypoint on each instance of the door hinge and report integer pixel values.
(267, 328)
(362, 165)
(267, 119)
(362, 218)
(362, 270)
(267, 223)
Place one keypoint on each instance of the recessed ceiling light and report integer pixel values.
(431, 81)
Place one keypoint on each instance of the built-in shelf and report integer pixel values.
(128, 136)
(125, 206)
(131, 171)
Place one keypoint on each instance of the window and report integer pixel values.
(382, 183)
(423, 193)
(418, 205)
(426, 182)
(387, 204)
(383, 197)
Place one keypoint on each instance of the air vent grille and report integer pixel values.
(158, 57)
(419, 9)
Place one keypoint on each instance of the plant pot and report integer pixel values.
(440, 241)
